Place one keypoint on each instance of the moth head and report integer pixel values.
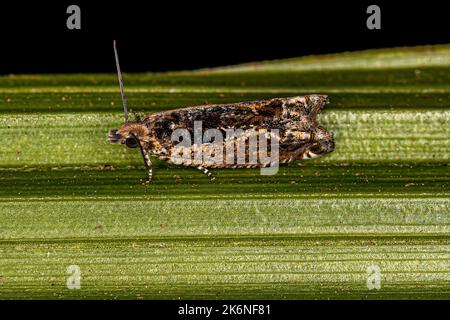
(130, 134)
(322, 142)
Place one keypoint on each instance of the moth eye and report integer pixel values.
(131, 142)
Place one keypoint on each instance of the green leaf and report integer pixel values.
(68, 197)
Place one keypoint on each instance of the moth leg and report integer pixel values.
(148, 164)
(207, 172)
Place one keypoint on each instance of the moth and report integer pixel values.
(294, 119)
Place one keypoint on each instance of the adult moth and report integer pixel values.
(228, 135)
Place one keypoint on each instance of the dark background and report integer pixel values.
(175, 35)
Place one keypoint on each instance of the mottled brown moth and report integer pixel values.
(229, 133)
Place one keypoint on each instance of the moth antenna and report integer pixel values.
(119, 76)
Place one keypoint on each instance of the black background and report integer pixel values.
(279, 309)
(179, 35)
